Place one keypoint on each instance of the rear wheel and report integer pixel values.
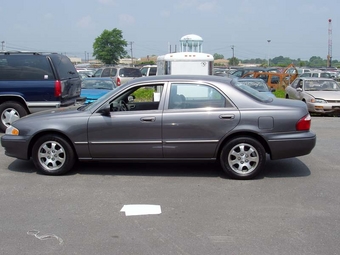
(10, 112)
(243, 158)
(53, 155)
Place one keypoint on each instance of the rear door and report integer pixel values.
(197, 117)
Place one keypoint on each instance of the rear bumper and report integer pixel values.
(15, 146)
(291, 145)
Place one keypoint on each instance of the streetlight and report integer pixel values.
(268, 50)
(232, 47)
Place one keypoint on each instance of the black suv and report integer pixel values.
(31, 82)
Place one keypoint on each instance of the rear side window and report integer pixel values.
(153, 71)
(130, 72)
(25, 67)
(64, 67)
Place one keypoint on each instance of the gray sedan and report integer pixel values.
(322, 95)
(167, 118)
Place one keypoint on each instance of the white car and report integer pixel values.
(322, 95)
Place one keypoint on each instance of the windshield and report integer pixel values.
(263, 97)
(260, 85)
(321, 85)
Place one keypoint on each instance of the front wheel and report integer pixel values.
(10, 112)
(53, 155)
(243, 158)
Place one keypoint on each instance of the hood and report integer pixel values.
(327, 95)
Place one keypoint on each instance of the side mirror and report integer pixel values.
(131, 98)
(105, 110)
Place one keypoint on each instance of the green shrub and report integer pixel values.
(280, 93)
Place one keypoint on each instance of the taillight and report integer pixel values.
(304, 123)
(118, 81)
(57, 88)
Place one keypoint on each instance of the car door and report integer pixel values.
(126, 134)
(296, 89)
(196, 117)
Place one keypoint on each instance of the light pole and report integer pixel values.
(2, 46)
(232, 47)
(268, 50)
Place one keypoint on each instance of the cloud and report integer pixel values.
(207, 6)
(107, 2)
(85, 22)
(165, 13)
(126, 19)
(198, 5)
(48, 15)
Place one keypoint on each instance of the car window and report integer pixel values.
(25, 67)
(64, 67)
(130, 72)
(263, 97)
(113, 72)
(193, 95)
(98, 73)
(144, 71)
(106, 72)
(153, 71)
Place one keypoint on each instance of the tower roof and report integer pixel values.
(192, 37)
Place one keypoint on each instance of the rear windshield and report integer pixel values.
(130, 72)
(25, 67)
(64, 67)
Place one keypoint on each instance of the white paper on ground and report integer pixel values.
(133, 210)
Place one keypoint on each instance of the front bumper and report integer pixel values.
(16, 146)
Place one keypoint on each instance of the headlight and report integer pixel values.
(319, 101)
(12, 131)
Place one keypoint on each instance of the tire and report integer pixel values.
(243, 158)
(10, 111)
(53, 155)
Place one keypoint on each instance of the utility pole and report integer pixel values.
(131, 53)
(232, 48)
(2, 45)
(268, 51)
(85, 57)
(329, 56)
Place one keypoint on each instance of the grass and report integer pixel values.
(280, 93)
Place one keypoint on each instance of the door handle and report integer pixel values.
(148, 119)
(227, 116)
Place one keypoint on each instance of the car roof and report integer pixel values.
(207, 78)
(315, 78)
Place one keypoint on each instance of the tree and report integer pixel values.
(233, 61)
(218, 56)
(109, 47)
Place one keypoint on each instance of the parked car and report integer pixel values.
(276, 80)
(240, 72)
(119, 74)
(257, 84)
(196, 118)
(149, 70)
(318, 74)
(321, 95)
(33, 81)
(94, 88)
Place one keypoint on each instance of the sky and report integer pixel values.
(295, 28)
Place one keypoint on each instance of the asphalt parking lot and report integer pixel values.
(291, 208)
